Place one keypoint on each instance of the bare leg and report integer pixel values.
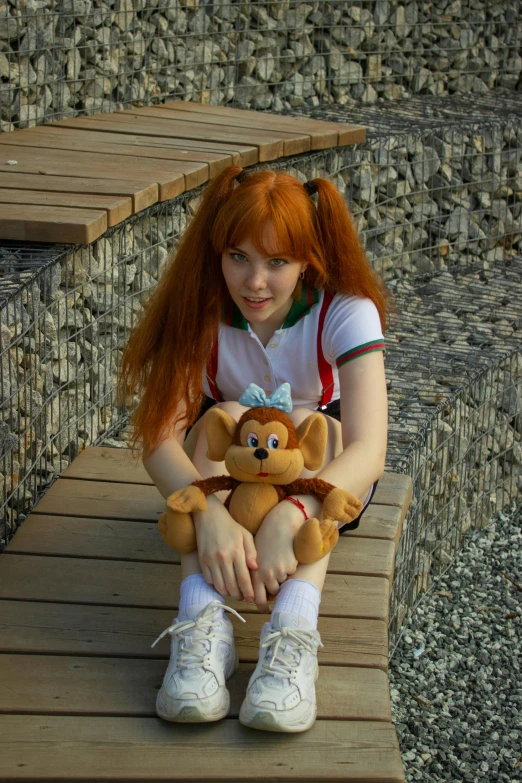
(196, 447)
(316, 572)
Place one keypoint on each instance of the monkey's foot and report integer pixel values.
(315, 540)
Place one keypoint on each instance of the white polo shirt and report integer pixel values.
(351, 328)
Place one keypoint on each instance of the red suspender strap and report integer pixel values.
(325, 368)
(212, 368)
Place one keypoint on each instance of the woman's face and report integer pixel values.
(261, 286)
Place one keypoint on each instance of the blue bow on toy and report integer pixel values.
(254, 397)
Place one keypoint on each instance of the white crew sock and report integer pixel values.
(194, 593)
(300, 598)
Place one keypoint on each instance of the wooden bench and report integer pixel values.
(69, 181)
(86, 585)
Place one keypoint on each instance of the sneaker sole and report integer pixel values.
(267, 721)
(193, 710)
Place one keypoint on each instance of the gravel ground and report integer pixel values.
(455, 675)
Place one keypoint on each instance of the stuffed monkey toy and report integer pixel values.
(264, 454)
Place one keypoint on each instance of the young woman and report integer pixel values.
(268, 285)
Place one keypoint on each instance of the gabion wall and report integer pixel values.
(441, 206)
(60, 58)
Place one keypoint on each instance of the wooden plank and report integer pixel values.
(122, 123)
(130, 583)
(346, 134)
(242, 155)
(319, 137)
(118, 208)
(109, 464)
(270, 145)
(46, 151)
(83, 164)
(57, 684)
(143, 194)
(51, 224)
(294, 140)
(140, 541)
(101, 463)
(142, 502)
(122, 749)
(63, 138)
(81, 629)
(393, 489)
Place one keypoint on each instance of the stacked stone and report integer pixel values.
(59, 58)
(455, 362)
(62, 337)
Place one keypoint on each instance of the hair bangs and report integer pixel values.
(254, 208)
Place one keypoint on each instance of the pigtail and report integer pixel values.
(167, 352)
(348, 269)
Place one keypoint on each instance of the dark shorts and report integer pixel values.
(333, 409)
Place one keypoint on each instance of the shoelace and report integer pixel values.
(193, 655)
(280, 665)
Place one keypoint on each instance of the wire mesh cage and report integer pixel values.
(60, 58)
(439, 210)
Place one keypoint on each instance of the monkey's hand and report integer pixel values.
(187, 500)
(341, 506)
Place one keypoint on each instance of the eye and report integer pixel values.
(278, 262)
(239, 257)
(272, 442)
(252, 440)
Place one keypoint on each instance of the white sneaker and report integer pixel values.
(281, 692)
(202, 657)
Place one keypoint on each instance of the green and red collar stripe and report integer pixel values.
(374, 345)
(301, 306)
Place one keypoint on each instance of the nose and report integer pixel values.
(256, 279)
(261, 454)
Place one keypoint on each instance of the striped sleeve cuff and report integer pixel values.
(374, 345)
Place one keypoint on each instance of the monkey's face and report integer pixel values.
(262, 455)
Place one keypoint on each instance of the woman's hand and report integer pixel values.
(226, 552)
(275, 551)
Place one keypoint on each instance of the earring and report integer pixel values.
(301, 276)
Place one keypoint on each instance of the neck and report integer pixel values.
(265, 329)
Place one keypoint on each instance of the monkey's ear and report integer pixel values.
(220, 429)
(312, 435)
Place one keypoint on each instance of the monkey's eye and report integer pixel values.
(272, 442)
(252, 440)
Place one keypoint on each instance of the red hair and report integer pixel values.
(166, 355)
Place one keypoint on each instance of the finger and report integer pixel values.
(272, 585)
(229, 576)
(218, 581)
(250, 550)
(260, 595)
(207, 574)
(244, 581)
(281, 576)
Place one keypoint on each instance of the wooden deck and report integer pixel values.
(87, 584)
(69, 181)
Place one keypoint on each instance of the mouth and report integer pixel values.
(256, 302)
(262, 475)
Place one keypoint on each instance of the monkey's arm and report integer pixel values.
(194, 497)
(338, 504)
(316, 487)
(215, 484)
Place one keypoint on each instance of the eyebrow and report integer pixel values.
(274, 255)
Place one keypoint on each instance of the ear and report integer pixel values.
(220, 429)
(312, 435)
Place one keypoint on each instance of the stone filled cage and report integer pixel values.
(61, 58)
(439, 207)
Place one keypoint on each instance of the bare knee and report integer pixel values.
(233, 409)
